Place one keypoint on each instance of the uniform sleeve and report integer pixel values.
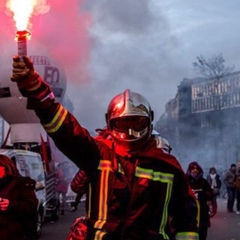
(70, 137)
(184, 211)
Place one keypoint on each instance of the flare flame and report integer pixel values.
(22, 11)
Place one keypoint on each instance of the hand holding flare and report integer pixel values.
(24, 74)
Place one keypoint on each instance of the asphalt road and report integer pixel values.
(225, 226)
(58, 230)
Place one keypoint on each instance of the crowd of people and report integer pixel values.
(206, 190)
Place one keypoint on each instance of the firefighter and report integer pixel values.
(138, 191)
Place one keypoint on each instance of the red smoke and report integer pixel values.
(63, 31)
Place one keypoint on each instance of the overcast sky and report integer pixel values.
(107, 46)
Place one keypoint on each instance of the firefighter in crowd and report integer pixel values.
(136, 188)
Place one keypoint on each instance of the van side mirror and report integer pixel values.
(39, 186)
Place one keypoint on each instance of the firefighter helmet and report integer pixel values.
(129, 117)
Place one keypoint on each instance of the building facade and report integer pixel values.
(202, 122)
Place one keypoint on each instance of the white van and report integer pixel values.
(31, 164)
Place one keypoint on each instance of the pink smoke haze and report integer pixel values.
(65, 32)
(62, 31)
(106, 46)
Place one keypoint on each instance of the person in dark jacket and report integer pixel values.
(18, 203)
(138, 191)
(215, 182)
(203, 193)
(229, 181)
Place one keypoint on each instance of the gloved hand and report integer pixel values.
(24, 75)
(30, 84)
(4, 203)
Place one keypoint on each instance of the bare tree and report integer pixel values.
(212, 68)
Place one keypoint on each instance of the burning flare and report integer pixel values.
(22, 11)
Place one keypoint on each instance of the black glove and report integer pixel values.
(30, 84)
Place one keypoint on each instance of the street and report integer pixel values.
(225, 226)
(58, 230)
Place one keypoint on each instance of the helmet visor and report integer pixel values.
(129, 128)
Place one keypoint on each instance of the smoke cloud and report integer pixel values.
(131, 47)
(107, 46)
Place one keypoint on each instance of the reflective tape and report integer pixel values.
(57, 121)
